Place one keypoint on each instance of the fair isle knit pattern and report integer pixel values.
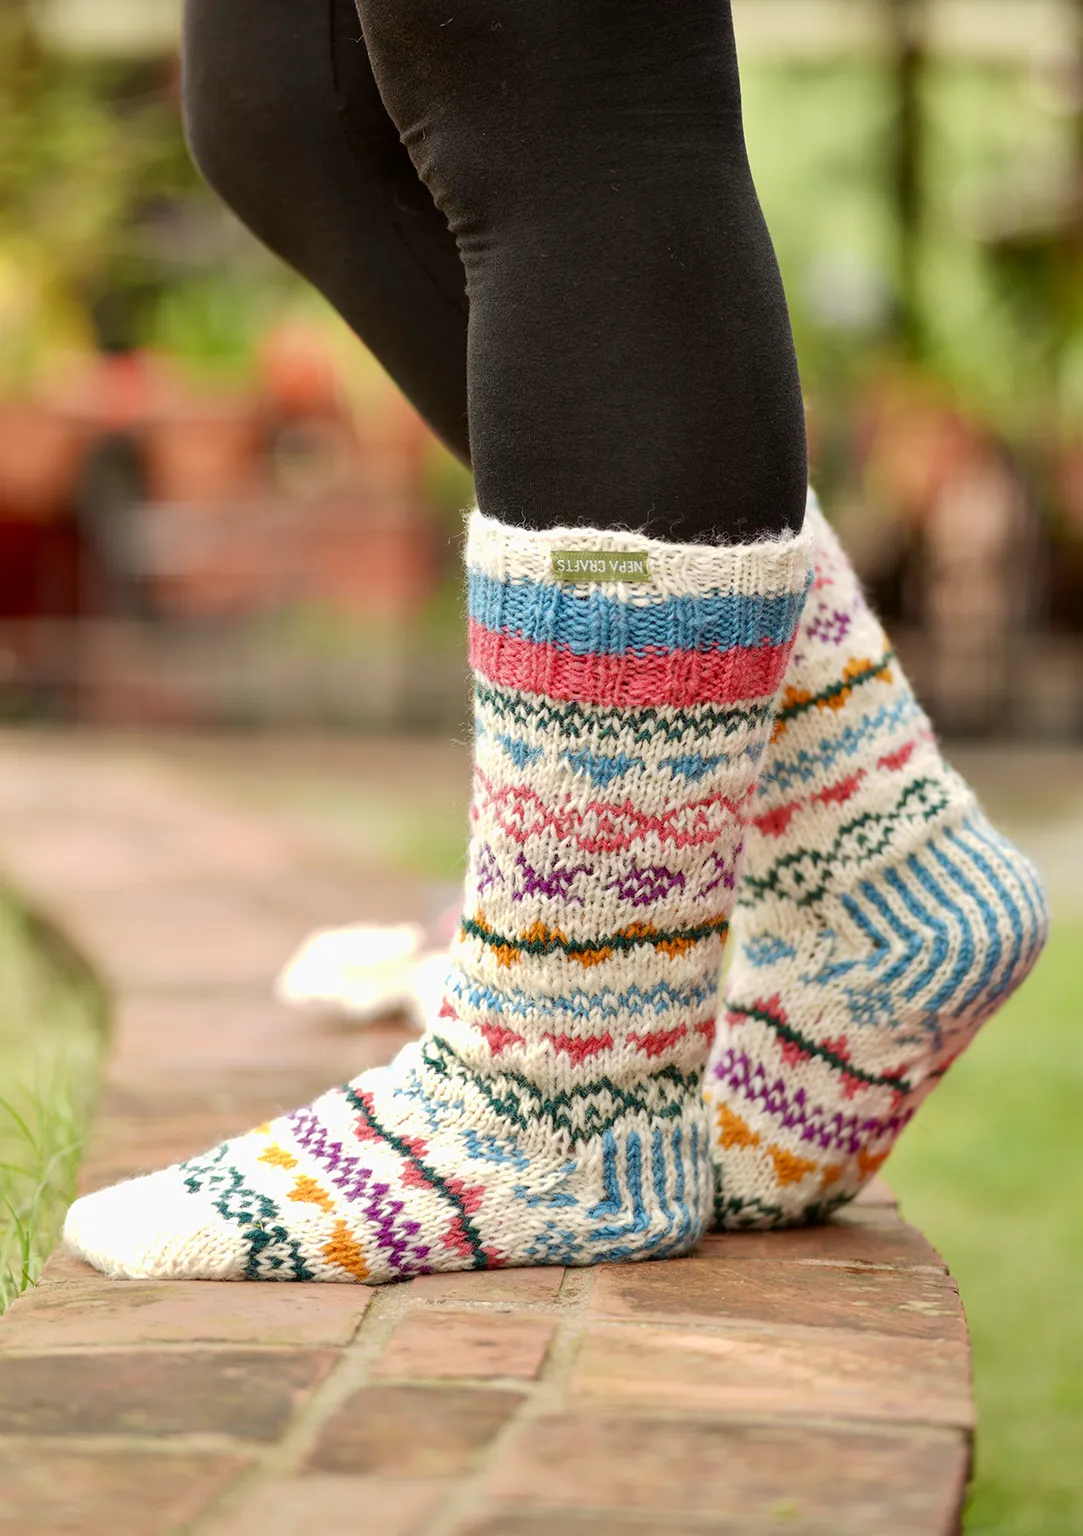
(880, 921)
(553, 1112)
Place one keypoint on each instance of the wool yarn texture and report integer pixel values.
(881, 920)
(553, 1112)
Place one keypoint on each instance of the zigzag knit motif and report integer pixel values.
(880, 921)
(553, 1112)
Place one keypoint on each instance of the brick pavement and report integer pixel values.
(813, 1382)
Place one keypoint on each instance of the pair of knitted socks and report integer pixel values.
(647, 714)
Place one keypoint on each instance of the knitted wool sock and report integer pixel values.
(880, 921)
(553, 1113)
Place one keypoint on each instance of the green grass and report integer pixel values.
(992, 1171)
(51, 1036)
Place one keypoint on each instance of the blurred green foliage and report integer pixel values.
(1004, 333)
(51, 1039)
(107, 234)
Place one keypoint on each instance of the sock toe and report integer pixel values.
(154, 1228)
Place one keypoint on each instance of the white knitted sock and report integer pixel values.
(880, 921)
(553, 1113)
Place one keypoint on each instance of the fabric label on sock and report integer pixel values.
(601, 565)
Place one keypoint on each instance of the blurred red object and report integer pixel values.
(370, 556)
(298, 376)
(40, 451)
(914, 444)
(203, 452)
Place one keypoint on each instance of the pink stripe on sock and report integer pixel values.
(681, 678)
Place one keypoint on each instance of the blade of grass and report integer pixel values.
(50, 1045)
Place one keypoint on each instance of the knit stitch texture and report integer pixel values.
(553, 1113)
(880, 921)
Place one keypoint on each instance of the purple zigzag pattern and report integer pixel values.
(726, 871)
(831, 626)
(488, 868)
(556, 886)
(352, 1177)
(643, 887)
(813, 1123)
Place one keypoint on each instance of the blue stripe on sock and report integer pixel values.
(782, 773)
(607, 1004)
(1010, 883)
(1029, 884)
(930, 924)
(697, 1193)
(1008, 904)
(929, 883)
(911, 938)
(598, 625)
(988, 917)
(615, 1203)
(680, 1193)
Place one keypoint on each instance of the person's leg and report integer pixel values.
(286, 124)
(663, 299)
(630, 357)
(553, 1112)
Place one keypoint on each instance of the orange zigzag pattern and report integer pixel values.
(735, 1134)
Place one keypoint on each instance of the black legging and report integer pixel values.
(625, 355)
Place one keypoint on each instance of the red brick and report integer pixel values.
(834, 1480)
(246, 1396)
(442, 1343)
(50, 1490)
(164, 1042)
(810, 1372)
(490, 1285)
(334, 1506)
(159, 843)
(63, 1268)
(400, 1431)
(192, 1312)
(917, 1303)
(191, 937)
(871, 1235)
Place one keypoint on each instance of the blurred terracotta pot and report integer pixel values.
(202, 453)
(298, 374)
(39, 458)
(912, 442)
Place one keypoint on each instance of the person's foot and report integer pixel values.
(553, 1113)
(880, 921)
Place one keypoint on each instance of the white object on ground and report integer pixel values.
(365, 971)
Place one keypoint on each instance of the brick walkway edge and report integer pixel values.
(812, 1382)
